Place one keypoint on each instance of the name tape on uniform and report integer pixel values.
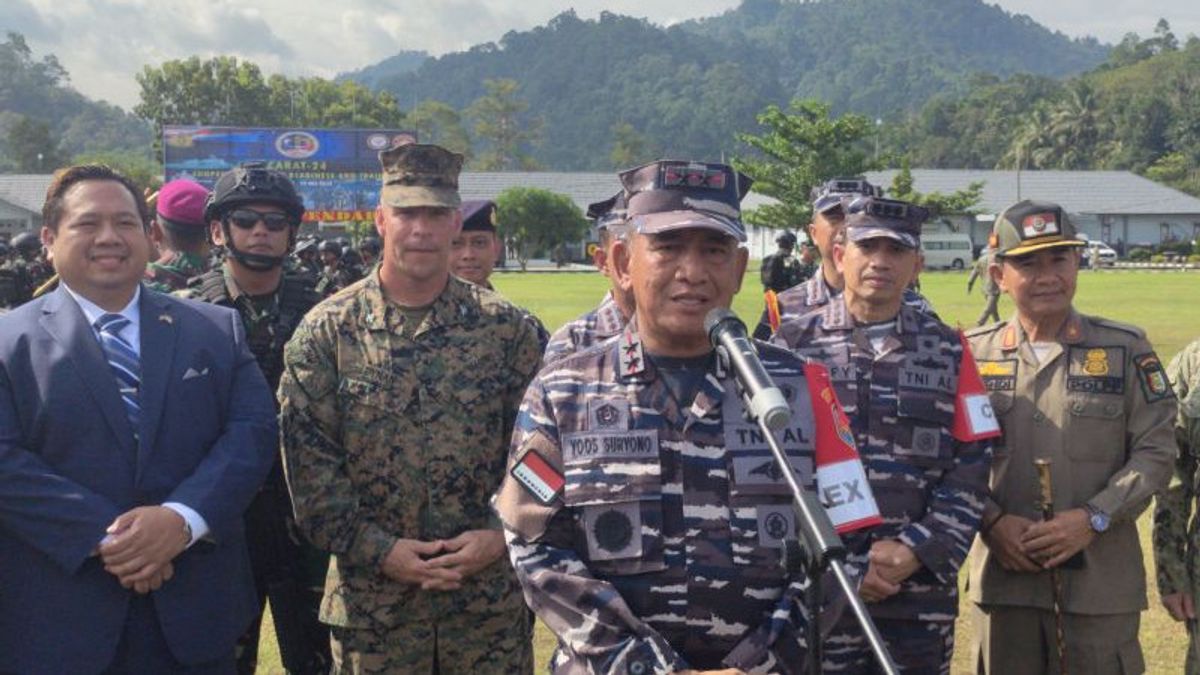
(582, 447)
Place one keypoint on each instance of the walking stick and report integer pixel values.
(1043, 469)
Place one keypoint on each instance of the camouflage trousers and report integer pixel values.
(469, 642)
(917, 647)
(1022, 640)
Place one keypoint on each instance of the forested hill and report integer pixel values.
(686, 88)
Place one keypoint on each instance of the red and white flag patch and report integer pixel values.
(537, 476)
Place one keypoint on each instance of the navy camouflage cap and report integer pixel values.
(873, 217)
(1029, 226)
(479, 215)
(420, 174)
(608, 214)
(676, 194)
(839, 192)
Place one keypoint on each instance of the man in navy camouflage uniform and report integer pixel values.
(830, 205)
(644, 515)
(908, 386)
(610, 316)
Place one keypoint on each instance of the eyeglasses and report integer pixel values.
(693, 176)
(246, 219)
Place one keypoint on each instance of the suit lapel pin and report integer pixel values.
(166, 318)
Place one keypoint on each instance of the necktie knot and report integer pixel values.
(111, 324)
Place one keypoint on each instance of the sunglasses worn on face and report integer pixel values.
(246, 219)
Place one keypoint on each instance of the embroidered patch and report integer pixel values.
(608, 414)
(999, 375)
(1153, 377)
(1097, 370)
(776, 524)
(577, 448)
(614, 531)
(537, 476)
(926, 442)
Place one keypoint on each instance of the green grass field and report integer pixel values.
(1163, 303)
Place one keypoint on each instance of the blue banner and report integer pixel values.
(336, 171)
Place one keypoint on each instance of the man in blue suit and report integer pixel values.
(134, 430)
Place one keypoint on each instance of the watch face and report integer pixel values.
(1099, 522)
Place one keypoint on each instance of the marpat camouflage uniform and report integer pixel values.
(594, 327)
(396, 430)
(1176, 528)
(174, 273)
(647, 534)
(929, 480)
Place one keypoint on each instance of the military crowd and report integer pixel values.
(435, 465)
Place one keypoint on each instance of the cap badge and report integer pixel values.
(1040, 224)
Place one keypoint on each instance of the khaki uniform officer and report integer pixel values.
(1091, 396)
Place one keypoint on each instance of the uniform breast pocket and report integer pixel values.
(922, 438)
(1095, 426)
(370, 403)
(761, 515)
(613, 484)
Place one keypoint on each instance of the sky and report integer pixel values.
(103, 43)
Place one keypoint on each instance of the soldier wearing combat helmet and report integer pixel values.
(255, 213)
(1090, 396)
(398, 398)
(644, 516)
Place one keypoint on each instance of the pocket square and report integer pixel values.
(193, 373)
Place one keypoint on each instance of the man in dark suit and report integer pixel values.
(134, 430)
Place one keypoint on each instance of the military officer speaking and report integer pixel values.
(644, 514)
(1176, 527)
(919, 415)
(1090, 396)
(398, 399)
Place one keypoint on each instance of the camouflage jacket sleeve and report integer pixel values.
(1173, 530)
(324, 497)
(587, 614)
(943, 536)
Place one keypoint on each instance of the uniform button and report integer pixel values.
(638, 668)
(1077, 407)
(1111, 408)
(1039, 417)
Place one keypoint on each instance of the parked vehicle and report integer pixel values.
(949, 249)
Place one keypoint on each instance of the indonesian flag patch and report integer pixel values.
(974, 418)
(536, 475)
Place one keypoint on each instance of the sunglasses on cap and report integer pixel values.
(246, 219)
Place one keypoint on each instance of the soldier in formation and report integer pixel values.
(991, 291)
(398, 399)
(1176, 533)
(782, 269)
(180, 234)
(254, 214)
(913, 396)
(26, 270)
(1089, 396)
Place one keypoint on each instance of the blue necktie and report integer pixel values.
(123, 361)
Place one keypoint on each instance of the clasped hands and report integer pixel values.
(442, 564)
(890, 562)
(1023, 545)
(140, 545)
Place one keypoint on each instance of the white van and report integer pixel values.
(946, 249)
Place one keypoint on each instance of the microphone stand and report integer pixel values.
(820, 550)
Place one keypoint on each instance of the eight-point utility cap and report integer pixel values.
(1029, 226)
(609, 214)
(872, 217)
(180, 203)
(839, 192)
(418, 174)
(677, 194)
(479, 215)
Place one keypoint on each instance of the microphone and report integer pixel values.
(765, 401)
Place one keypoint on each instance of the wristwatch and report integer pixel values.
(1098, 519)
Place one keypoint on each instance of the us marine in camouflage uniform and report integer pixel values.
(644, 515)
(609, 318)
(180, 232)
(398, 400)
(255, 213)
(1176, 527)
(904, 379)
(831, 203)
